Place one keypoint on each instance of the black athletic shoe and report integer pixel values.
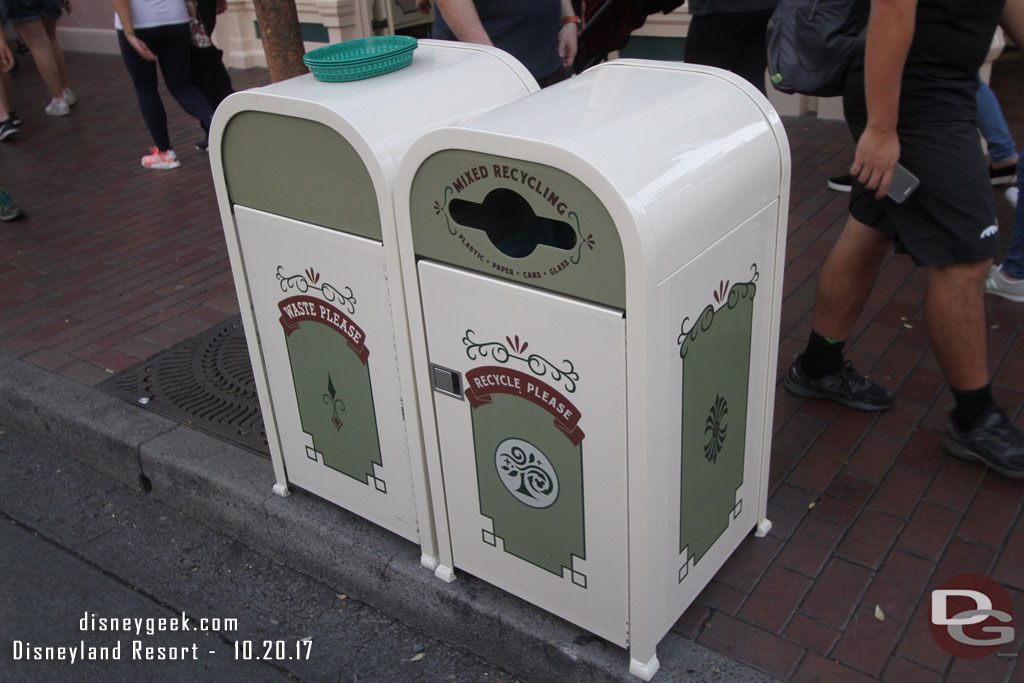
(1002, 176)
(203, 145)
(841, 183)
(994, 440)
(7, 128)
(848, 387)
(13, 118)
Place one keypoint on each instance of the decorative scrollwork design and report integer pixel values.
(537, 364)
(725, 295)
(526, 473)
(715, 428)
(441, 209)
(587, 241)
(310, 280)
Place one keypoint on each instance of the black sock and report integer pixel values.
(823, 356)
(971, 405)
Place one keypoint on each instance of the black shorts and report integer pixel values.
(951, 217)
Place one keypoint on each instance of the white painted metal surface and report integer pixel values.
(692, 164)
(379, 118)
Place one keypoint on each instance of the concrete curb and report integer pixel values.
(229, 489)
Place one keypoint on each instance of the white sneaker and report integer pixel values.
(69, 97)
(1000, 285)
(160, 160)
(1011, 195)
(58, 108)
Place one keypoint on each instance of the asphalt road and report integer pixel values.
(98, 569)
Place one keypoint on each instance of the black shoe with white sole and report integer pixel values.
(994, 440)
(847, 387)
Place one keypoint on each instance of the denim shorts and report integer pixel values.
(27, 11)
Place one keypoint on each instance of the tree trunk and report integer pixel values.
(282, 38)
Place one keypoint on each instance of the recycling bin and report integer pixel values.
(304, 172)
(594, 278)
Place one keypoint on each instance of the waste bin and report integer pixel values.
(304, 172)
(599, 273)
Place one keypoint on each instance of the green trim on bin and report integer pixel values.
(311, 33)
(299, 169)
(593, 269)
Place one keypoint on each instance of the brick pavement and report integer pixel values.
(116, 263)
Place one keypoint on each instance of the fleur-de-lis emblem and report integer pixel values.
(723, 288)
(515, 344)
(313, 276)
(437, 208)
(589, 241)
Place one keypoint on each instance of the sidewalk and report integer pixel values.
(116, 263)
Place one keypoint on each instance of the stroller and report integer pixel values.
(607, 25)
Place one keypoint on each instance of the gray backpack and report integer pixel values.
(811, 44)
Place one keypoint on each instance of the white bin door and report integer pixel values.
(324, 321)
(529, 393)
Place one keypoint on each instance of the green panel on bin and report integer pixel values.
(300, 169)
(716, 376)
(457, 195)
(530, 478)
(333, 392)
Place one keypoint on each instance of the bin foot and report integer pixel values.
(446, 574)
(428, 562)
(282, 490)
(644, 671)
(763, 528)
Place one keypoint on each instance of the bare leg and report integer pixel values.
(50, 24)
(34, 35)
(6, 98)
(847, 277)
(955, 316)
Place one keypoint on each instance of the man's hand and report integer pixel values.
(876, 156)
(423, 6)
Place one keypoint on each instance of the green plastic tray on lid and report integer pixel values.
(355, 60)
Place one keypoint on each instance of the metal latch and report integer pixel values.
(446, 381)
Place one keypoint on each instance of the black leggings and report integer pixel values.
(170, 44)
(730, 40)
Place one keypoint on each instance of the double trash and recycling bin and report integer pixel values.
(552, 360)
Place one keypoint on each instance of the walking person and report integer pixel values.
(35, 22)
(151, 32)
(1007, 279)
(9, 121)
(730, 35)
(540, 33)
(911, 98)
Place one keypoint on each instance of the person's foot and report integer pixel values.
(1012, 194)
(69, 97)
(203, 145)
(999, 284)
(161, 160)
(994, 440)
(14, 118)
(847, 387)
(9, 210)
(1002, 175)
(7, 128)
(57, 107)
(841, 183)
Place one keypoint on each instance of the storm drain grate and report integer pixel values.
(205, 381)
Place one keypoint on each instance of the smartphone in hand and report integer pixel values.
(903, 184)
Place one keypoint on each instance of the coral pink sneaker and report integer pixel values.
(161, 160)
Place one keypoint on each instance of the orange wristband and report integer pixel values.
(571, 19)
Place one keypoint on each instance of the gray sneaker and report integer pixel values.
(995, 440)
(1000, 285)
(847, 387)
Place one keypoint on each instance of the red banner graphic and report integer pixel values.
(299, 309)
(490, 379)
